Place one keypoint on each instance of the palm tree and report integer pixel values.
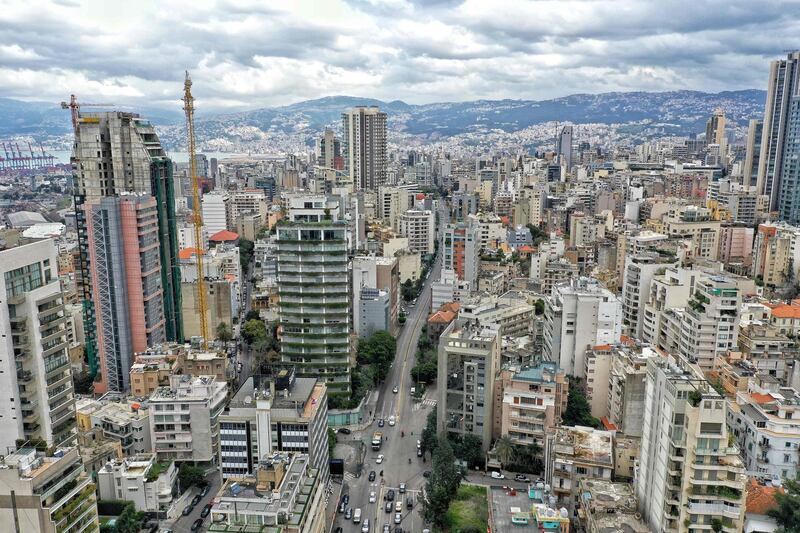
(504, 449)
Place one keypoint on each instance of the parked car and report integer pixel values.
(344, 431)
(197, 524)
(365, 526)
(419, 452)
(380, 458)
(388, 507)
(426, 473)
(205, 491)
(206, 510)
(497, 475)
(187, 510)
(398, 518)
(390, 495)
(339, 529)
(398, 529)
(346, 499)
(391, 420)
(402, 488)
(386, 528)
(342, 507)
(196, 500)
(348, 514)
(372, 475)
(522, 477)
(380, 422)
(398, 506)
(409, 502)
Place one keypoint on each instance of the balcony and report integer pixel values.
(24, 376)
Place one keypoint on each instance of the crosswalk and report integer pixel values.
(424, 403)
(349, 476)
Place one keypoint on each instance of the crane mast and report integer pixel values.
(188, 107)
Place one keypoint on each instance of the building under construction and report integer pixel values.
(13, 158)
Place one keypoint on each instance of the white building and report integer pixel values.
(139, 479)
(216, 212)
(34, 363)
(579, 314)
(668, 290)
(419, 227)
(184, 418)
(639, 272)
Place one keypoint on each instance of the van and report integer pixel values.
(357, 516)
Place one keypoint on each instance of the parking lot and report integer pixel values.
(502, 501)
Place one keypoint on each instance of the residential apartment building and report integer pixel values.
(529, 403)
(364, 147)
(125, 265)
(314, 306)
(420, 228)
(265, 416)
(34, 360)
(626, 387)
(116, 152)
(393, 202)
(688, 474)
(46, 493)
(217, 212)
(461, 251)
(513, 317)
(764, 425)
(285, 494)
(468, 363)
(776, 253)
(667, 291)
(141, 480)
(380, 273)
(125, 422)
(579, 314)
(696, 225)
(639, 272)
(184, 418)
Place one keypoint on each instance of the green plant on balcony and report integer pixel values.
(79, 500)
(716, 525)
(68, 486)
(695, 397)
(727, 492)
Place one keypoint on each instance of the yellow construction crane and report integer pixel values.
(188, 107)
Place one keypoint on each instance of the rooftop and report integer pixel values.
(585, 443)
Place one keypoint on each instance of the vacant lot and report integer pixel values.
(469, 511)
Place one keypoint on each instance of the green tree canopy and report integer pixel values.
(254, 330)
(787, 513)
(224, 332)
(189, 475)
(429, 438)
(578, 412)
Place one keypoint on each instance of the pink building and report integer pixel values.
(735, 243)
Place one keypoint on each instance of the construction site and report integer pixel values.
(14, 158)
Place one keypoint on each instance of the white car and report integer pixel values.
(372, 497)
(391, 420)
(398, 518)
(394, 390)
(497, 475)
(380, 458)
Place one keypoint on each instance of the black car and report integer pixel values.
(342, 507)
(153, 528)
(205, 490)
(344, 431)
(372, 475)
(380, 422)
(196, 500)
(409, 502)
(390, 495)
(206, 510)
(339, 529)
(398, 529)
(346, 499)
(388, 507)
(197, 524)
(348, 514)
(187, 510)
(426, 473)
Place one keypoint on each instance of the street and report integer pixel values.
(184, 523)
(410, 419)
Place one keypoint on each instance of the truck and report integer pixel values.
(377, 440)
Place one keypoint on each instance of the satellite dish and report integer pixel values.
(248, 400)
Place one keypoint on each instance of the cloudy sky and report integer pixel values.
(253, 53)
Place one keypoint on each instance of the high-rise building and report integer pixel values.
(38, 402)
(217, 212)
(579, 314)
(365, 147)
(639, 272)
(715, 128)
(125, 266)
(564, 146)
(328, 150)
(755, 130)
(469, 360)
(382, 274)
(461, 250)
(314, 292)
(420, 228)
(690, 476)
(781, 118)
(116, 152)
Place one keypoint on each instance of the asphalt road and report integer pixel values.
(400, 464)
(184, 523)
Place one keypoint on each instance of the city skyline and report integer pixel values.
(251, 56)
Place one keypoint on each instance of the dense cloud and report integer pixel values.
(246, 54)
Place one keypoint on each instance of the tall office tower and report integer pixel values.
(37, 401)
(117, 152)
(564, 146)
(752, 153)
(365, 147)
(468, 365)
(715, 128)
(690, 475)
(328, 150)
(125, 266)
(779, 120)
(314, 299)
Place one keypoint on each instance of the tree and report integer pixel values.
(429, 439)
(245, 253)
(539, 306)
(442, 484)
(378, 352)
(504, 448)
(331, 442)
(83, 383)
(129, 520)
(224, 332)
(787, 513)
(189, 475)
(407, 290)
(578, 412)
(469, 449)
(252, 315)
(254, 330)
